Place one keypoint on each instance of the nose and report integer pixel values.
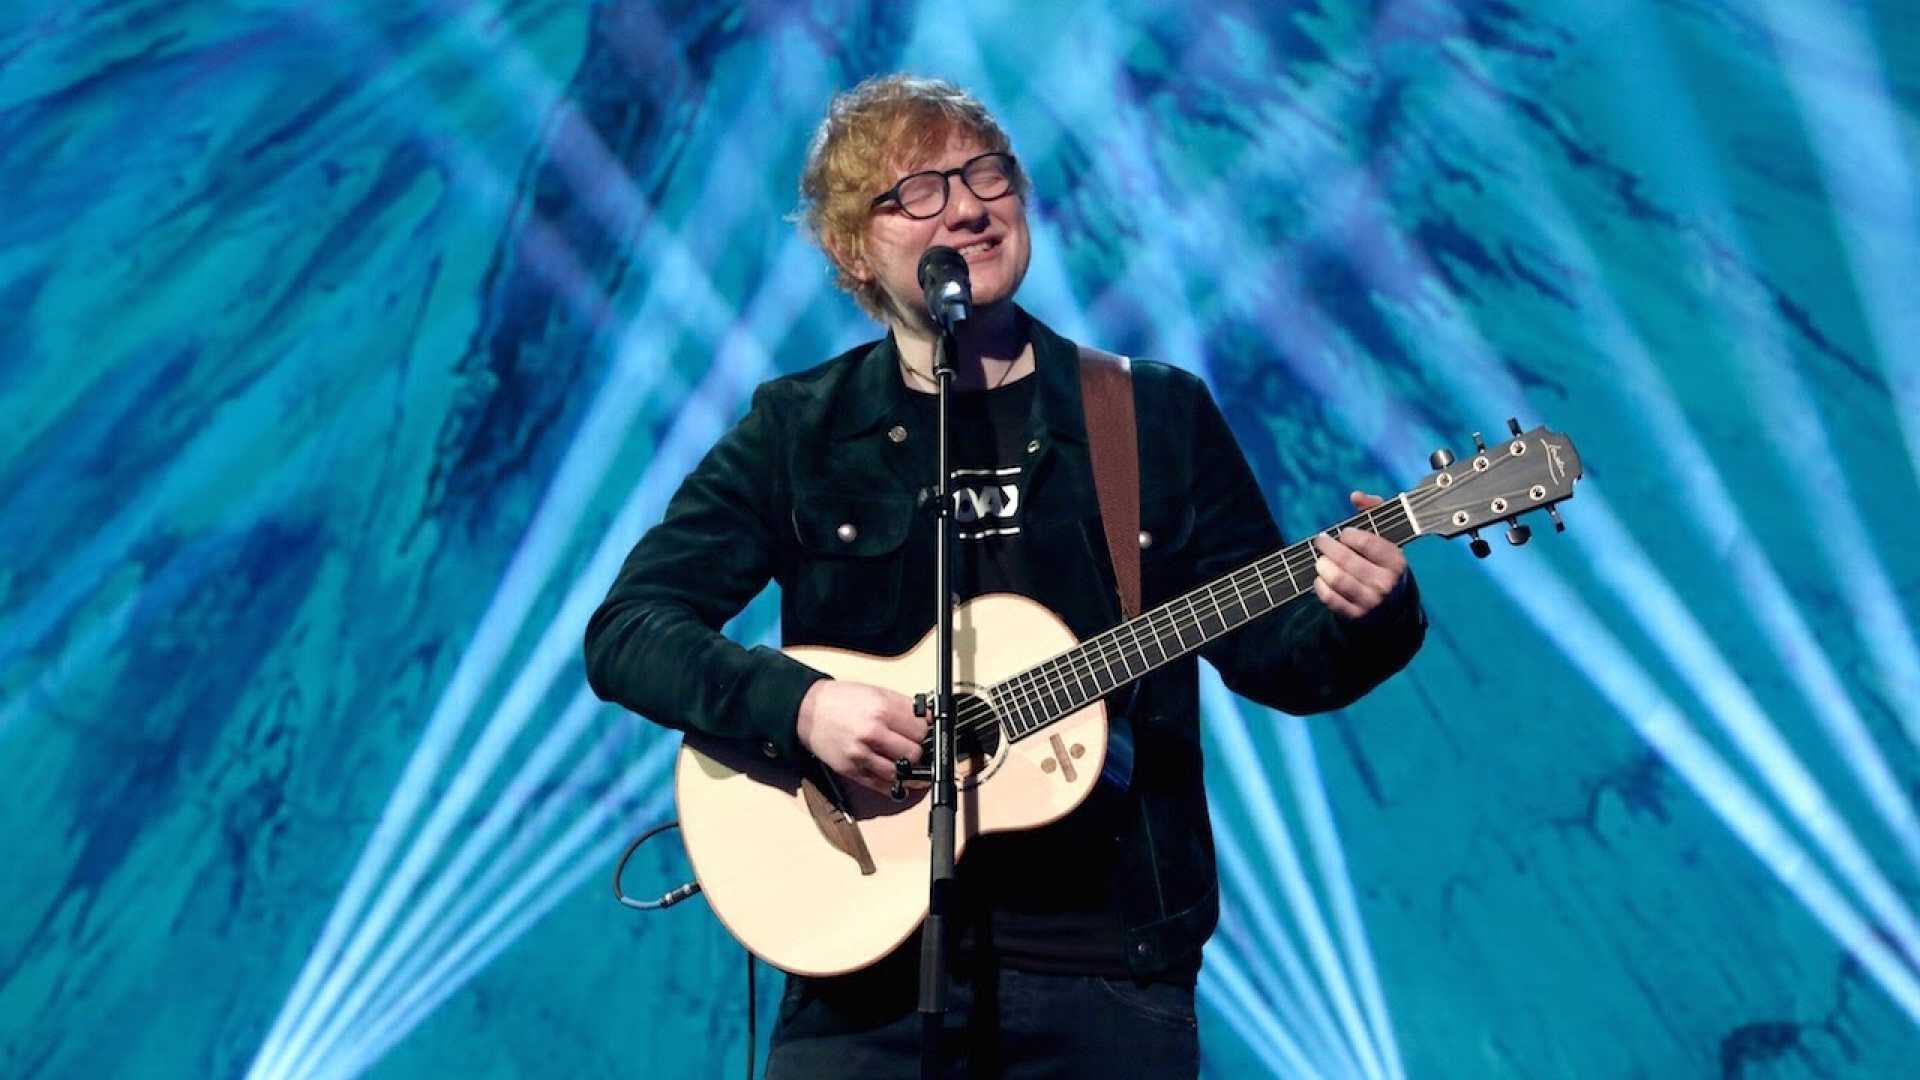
(963, 206)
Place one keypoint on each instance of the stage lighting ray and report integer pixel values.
(1198, 223)
(1299, 1004)
(1226, 988)
(1619, 561)
(521, 850)
(740, 361)
(223, 444)
(543, 763)
(622, 393)
(1667, 620)
(1563, 616)
(1242, 759)
(566, 863)
(1853, 128)
(1777, 385)
(514, 595)
(1316, 813)
(1758, 739)
(1767, 597)
(1613, 553)
(1709, 676)
(232, 434)
(554, 522)
(1711, 508)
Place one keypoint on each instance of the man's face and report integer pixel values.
(991, 235)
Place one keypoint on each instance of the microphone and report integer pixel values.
(946, 286)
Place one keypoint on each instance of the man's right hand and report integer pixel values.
(860, 730)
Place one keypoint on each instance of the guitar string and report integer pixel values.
(1100, 656)
(1105, 652)
(1085, 665)
(1047, 684)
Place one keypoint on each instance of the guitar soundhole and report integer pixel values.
(976, 731)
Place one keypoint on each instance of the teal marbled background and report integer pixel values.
(342, 346)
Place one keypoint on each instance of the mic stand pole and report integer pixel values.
(941, 824)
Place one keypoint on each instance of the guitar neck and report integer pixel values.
(1109, 661)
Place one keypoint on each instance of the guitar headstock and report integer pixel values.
(1531, 470)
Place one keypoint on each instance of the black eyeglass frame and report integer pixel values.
(946, 184)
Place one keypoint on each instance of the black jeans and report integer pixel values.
(999, 1024)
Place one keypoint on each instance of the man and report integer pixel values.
(1079, 942)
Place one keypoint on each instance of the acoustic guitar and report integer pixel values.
(818, 877)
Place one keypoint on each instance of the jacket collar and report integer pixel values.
(874, 394)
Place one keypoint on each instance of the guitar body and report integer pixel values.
(820, 881)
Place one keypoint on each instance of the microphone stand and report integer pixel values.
(941, 824)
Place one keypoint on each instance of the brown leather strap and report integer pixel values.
(1106, 395)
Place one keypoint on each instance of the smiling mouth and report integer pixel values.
(978, 247)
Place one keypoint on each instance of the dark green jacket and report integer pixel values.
(820, 449)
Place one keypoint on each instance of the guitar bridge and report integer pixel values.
(836, 825)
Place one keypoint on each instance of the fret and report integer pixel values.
(1113, 658)
(1102, 660)
(1159, 642)
(1209, 635)
(1238, 598)
(1065, 685)
(1071, 679)
(1030, 689)
(1001, 697)
(1310, 558)
(1086, 681)
(1249, 599)
(1177, 635)
(1131, 650)
(1051, 688)
(1026, 716)
(1132, 630)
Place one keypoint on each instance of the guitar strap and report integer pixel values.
(1106, 395)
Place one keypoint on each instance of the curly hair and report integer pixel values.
(869, 133)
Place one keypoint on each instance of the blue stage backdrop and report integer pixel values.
(346, 348)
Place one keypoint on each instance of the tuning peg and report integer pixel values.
(1479, 443)
(1517, 533)
(1480, 548)
(1440, 458)
(1554, 513)
(1513, 425)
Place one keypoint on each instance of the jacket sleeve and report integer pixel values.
(1302, 658)
(654, 645)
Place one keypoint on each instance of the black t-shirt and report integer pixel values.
(1040, 900)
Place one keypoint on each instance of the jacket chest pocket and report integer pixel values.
(846, 581)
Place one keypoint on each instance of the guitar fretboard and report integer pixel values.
(1106, 662)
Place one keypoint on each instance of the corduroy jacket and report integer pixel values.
(841, 445)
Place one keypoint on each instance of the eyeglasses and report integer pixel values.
(924, 194)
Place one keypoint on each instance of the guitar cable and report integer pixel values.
(669, 899)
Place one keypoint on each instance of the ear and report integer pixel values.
(849, 260)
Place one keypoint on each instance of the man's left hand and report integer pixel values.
(1357, 569)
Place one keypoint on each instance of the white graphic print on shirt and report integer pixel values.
(986, 502)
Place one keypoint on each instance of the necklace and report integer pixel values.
(916, 373)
